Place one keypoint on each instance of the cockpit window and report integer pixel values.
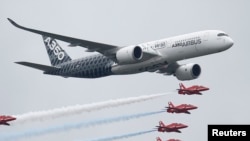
(222, 34)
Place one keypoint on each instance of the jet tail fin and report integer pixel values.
(170, 104)
(158, 139)
(161, 124)
(182, 86)
(56, 54)
(38, 66)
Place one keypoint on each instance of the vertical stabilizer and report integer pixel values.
(161, 124)
(170, 105)
(158, 139)
(56, 54)
(182, 86)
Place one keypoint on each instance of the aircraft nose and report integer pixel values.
(230, 42)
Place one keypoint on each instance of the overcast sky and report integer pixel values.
(121, 23)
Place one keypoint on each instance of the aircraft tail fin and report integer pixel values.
(38, 66)
(56, 54)
(182, 86)
(170, 105)
(161, 124)
(158, 139)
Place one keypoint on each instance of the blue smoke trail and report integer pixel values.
(122, 136)
(36, 132)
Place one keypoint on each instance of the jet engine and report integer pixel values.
(129, 55)
(188, 72)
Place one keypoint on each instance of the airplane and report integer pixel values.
(159, 139)
(5, 119)
(183, 108)
(160, 56)
(173, 127)
(195, 89)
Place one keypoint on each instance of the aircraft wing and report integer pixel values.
(105, 49)
(6, 124)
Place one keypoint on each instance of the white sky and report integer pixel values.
(122, 23)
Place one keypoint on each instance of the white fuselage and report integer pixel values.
(177, 48)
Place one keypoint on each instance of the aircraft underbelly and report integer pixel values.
(151, 64)
(180, 53)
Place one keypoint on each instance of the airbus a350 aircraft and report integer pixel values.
(159, 56)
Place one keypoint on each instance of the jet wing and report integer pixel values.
(6, 124)
(105, 49)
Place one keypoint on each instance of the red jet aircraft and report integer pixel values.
(5, 119)
(159, 139)
(195, 89)
(173, 127)
(183, 108)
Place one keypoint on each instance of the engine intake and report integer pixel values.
(188, 71)
(129, 55)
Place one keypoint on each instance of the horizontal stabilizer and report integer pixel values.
(38, 66)
(6, 124)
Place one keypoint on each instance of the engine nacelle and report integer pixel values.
(188, 71)
(129, 55)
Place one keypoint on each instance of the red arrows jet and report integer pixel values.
(195, 89)
(183, 108)
(5, 119)
(159, 139)
(173, 127)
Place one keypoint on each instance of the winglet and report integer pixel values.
(12, 22)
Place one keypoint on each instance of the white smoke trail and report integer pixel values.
(122, 136)
(66, 127)
(78, 109)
